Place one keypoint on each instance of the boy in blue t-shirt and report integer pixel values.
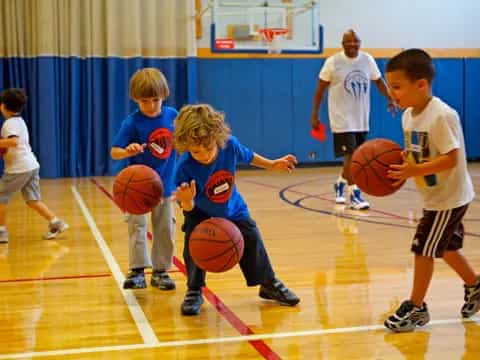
(205, 180)
(145, 137)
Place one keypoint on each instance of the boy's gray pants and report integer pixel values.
(163, 246)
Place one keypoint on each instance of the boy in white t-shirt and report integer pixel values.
(347, 75)
(435, 156)
(21, 168)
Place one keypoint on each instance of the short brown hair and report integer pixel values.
(200, 125)
(14, 99)
(416, 64)
(148, 83)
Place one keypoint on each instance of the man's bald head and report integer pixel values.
(351, 43)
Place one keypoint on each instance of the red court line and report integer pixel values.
(48, 278)
(67, 277)
(259, 345)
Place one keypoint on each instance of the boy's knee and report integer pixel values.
(31, 203)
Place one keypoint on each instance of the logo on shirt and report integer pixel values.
(356, 84)
(219, 186)
(160, 143)
(418, 151)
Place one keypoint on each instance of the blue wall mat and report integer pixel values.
(281, 102)
(472, 106)
(277, 107)
(245, 108)
(305, 79)
(449, 83)
(76, 106)
(382, 123)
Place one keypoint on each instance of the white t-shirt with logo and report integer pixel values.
(18, 159)
(349, 90)
(433, 132)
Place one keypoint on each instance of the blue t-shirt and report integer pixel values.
(217, 194)
(157, 132)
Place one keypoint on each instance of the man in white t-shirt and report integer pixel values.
(435, 157)
(21, 168)
(347, 75)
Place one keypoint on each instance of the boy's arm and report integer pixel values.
(11, 141)
(285, 163)
(118, 153)
(408, 169)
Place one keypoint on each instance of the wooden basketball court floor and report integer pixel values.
(63, 299)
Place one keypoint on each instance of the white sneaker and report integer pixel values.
(3, 236)
(55, 228)
(339, 188)
(356, 200)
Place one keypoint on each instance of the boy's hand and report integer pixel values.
(185, 193)
(314, 122)
(286, 163)
(403, 171)
(135, 148)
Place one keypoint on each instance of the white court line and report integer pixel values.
(231, 339)
(146, 331)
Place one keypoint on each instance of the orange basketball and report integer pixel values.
(137, 189)
(216, 245)
(370, 163)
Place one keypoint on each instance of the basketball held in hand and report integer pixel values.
(137, 189)
(370, 164)
(216, 245)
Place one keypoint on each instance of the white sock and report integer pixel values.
(3, 228)
(54, 220)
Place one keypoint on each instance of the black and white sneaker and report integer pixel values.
(192, 302)
(277, 291)
(161, 280)
(135, 280)
(407, 317)
(472, 300)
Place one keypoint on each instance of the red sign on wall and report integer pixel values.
(224, 44)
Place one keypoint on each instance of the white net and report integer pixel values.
(275, 46)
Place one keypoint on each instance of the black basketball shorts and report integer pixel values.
(346, 142)
(438, 231)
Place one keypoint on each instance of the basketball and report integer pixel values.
(216, 245)
(370, 163)
(137, 189)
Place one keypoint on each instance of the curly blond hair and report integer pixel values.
(200, 125)
(148, 83)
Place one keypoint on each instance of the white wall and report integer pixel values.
(404, 23)
(395, 24)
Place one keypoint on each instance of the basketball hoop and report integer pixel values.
(273, 38)
(270, 33)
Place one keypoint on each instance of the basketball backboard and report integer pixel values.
(258, 26)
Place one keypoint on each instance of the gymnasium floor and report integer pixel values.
(63, 299)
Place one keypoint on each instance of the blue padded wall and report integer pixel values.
(268, 102)
(472, 105)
